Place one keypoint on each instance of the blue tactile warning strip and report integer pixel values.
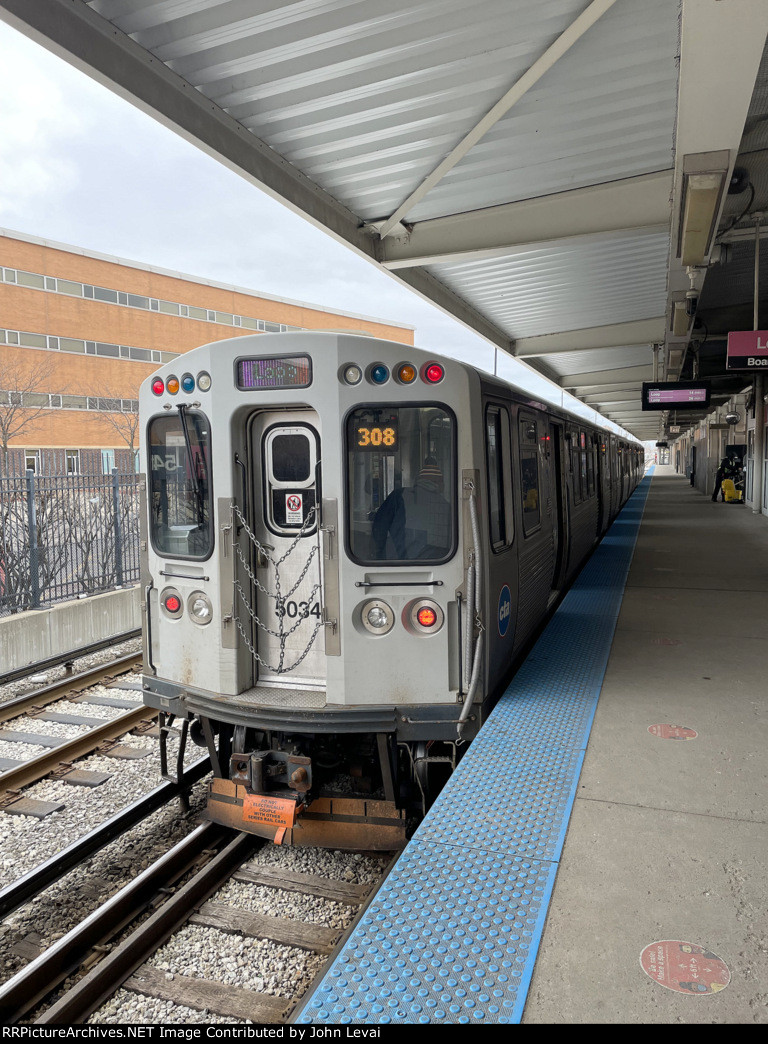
(452, 935)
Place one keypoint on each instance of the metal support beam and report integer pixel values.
(594, 380)
(564, 42)
(641, 332)
(640, 203)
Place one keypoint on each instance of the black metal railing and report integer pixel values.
(66, 536)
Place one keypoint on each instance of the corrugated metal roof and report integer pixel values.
(585, 283)
(344, 107)
(366, 98)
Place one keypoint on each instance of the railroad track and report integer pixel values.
(102, 734)
(210, 860)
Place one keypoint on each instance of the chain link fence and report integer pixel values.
(66, 536)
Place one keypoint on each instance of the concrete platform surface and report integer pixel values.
(668, 838)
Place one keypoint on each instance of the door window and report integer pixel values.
(290, 458)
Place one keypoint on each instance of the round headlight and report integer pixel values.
(200, 607)
(377, 617)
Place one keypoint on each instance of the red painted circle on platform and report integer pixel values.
(685, 967)
(665, 731)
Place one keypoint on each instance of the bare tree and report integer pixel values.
(123, 420)
(22, 398)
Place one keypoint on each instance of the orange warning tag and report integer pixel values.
(275, 812)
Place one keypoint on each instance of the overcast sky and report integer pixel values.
(83, 167)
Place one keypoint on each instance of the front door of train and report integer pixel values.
(286, 586)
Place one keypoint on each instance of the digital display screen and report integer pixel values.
(384, 437)
(676, 395)
(292, 372)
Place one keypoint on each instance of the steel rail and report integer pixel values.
(73, 682)
(37, 769)
(36, 880)
(102, 981)
(75, 654)
(24, 991)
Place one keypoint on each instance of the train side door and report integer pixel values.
(560, 521)
(286, 590)
(500, 522)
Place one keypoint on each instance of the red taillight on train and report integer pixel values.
(158, 386)
(172, 604)
(427, 617)
(433, 373)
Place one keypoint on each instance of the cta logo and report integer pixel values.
(505, 610)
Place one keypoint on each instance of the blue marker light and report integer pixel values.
(188, 383)
(379, 373)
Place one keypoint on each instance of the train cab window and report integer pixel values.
(401, 502)
(498, 456)
(180, 485)
(529, 474)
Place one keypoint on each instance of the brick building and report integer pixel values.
(80, 331)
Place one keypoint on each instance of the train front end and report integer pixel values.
(304, 571)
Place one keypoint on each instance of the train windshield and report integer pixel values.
(401, 484)
(180, 485)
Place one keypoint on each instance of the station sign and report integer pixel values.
(747, 350)
(676, 395)
(674, 429)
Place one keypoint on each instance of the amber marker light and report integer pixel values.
(406, 374)
(173, 385)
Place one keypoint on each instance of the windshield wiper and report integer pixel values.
(198, 479)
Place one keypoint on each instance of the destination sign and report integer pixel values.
(290, 372)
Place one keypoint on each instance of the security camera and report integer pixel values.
(691, 302)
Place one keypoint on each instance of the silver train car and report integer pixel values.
(348, 543)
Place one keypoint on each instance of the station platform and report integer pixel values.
(599, 854)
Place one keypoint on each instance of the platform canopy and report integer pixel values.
(551, 172)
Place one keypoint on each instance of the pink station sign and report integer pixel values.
(747, 350)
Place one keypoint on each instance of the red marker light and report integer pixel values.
(172, 604)
(427, 617)
(158, 386)
(434, 373)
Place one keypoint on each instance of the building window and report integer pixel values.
(107, 461)
(73, 462)
(32, 461)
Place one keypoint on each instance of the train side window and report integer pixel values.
(583, 465)
(575, 468)
(590, 466)
(499, 474)
(180, 485)
(529, 474)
